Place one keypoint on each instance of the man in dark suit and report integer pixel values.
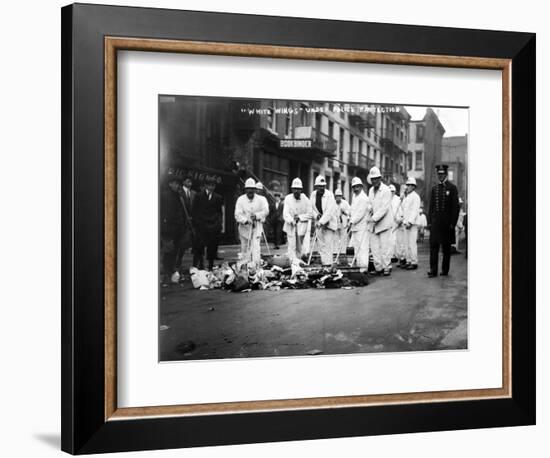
(176, 227)
(187, 200)
(275, 218)
(443, 215)
(207, 220)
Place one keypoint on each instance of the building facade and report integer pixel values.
(455, 154)
(425, 152)
(275, 141)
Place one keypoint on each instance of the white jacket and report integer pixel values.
(342, 213)
(381, 208)
(411, 208)
(300, 208)
(245, 208)
(397, 210)
(360, 212)
(328, 204)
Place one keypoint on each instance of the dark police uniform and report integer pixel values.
(443, 216)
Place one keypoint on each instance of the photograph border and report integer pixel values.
(115, 44)
(91, 421)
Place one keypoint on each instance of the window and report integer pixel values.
(318, 122)
(272, 118)
(419, 133)
(418, 160)
(288, 121)
(304, 121)
(410, 160)
(341, 144)
(331, 129)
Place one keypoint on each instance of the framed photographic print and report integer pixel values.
(285, 228)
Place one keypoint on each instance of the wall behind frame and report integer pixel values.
(30, 229)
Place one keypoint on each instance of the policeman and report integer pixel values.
(443, 215)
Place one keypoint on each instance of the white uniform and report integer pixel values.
(359, 222)
(411, 210)
(342, 218)
(296, 232)
(459, 227)
(382, 219)
(250, 232)
(397, 242)
(325, 233)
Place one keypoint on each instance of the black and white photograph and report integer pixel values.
(307, 228)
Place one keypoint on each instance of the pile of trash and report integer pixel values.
(273, 274)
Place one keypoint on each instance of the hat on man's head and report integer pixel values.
(411, 180)
(441, 168)
(296, 184)
(356, 182)
(171, 177)
(320, 181)
(374, 172)
(250, 184)
(338, 192)
(259, 186)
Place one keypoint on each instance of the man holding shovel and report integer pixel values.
(297, 219)
(323, 209)
(358, 223)
(250, 214)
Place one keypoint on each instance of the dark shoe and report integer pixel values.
(394, 259)
(432, 274)
(277, 247)
(444, 274)
(412, 267)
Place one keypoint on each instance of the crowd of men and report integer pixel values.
(381, 226)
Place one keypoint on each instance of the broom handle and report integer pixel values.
(311, 248)
(356, 251)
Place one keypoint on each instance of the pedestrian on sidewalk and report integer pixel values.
(251, 210)
(443, 215)
(422, 223)
(297, 219)
(382, 221)
(411, 210)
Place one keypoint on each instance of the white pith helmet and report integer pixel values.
(250, 184)
(296, 184)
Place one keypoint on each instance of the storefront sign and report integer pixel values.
(295, 143)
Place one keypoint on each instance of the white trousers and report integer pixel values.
(360, 240)
(294, 247)
(325, 243)
(379, 244)
(341, 241)
(411, 235)
(400, 243)
(251, 251)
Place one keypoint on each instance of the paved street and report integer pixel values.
(404, 312)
